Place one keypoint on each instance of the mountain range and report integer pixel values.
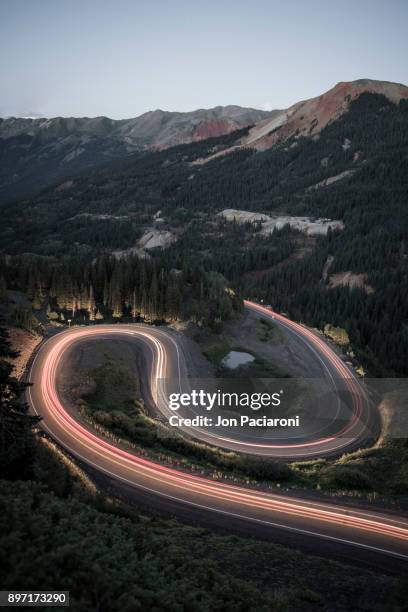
(304, 209)
(37, 153)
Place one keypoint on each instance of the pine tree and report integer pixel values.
(90, 306)
(16, 439)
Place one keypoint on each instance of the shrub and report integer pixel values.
(342, 477)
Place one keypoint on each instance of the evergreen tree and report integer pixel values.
(16, 438)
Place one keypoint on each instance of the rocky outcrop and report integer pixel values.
(267, 224)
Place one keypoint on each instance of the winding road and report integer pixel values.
(375, 532)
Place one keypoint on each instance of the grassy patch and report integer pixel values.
(267, 331)
(52, 468)
(215, 351)
(113, 387)
(260, 368)
(380, 470)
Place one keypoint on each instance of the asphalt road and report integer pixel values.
(373, 532)
(339, 415)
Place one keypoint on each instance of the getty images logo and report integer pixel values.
(207, 401)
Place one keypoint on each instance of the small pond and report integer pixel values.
(234, 359)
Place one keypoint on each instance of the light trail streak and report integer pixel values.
(369, 530)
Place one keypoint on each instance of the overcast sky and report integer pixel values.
(121, 58)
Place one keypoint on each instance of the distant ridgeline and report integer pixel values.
(355, 171)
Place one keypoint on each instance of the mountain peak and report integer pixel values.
(369, 82)
(309, 117)
(393, 91)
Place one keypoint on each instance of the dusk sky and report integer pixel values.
(122, 58)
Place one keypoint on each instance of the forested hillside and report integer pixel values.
(355, 171)
(127, 289)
